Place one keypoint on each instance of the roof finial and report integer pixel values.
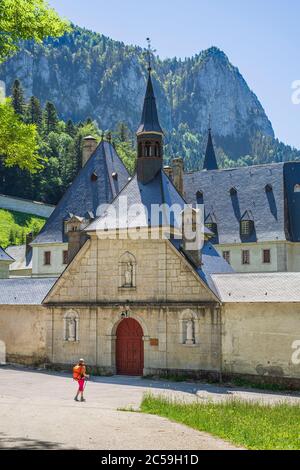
(150, 51)
(209, 122)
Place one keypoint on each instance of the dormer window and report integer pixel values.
(246, 224)
(199, 197)
(114, 175)
(211, 224)
(94, 177)
(269, 188)
(297, 188)
(233, 192)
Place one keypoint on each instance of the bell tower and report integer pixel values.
(149, 136)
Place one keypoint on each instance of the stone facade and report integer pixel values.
(23, 332)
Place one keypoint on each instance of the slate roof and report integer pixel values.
(271, 221)
(258, 287)
(149, 121)
(4, 256)
(159, 191)
(85, 195)
(22, 260)
(24, 291)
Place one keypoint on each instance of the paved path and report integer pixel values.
(37, 411)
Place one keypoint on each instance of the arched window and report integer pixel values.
(147, 149)
(127, 271)
(71, 326)
(297, 188)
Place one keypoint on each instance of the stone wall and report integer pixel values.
(28, 207)
(22, 329)
(258, 339)
(164, 348)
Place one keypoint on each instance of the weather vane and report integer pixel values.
(150, 51)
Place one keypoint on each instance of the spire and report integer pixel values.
(210, 161)
(149, 134)
(149, 121)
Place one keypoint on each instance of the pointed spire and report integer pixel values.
(210, 161)
(149, 121)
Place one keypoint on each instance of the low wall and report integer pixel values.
(261, 339)
(28, 207)
(22, 329)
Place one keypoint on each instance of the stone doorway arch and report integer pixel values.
(129, 348)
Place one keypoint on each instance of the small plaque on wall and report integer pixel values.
(153, 342)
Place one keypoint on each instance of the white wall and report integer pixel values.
(56, 267)
(26, 206)
(282, 256)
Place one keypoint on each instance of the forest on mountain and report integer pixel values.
(85, 83)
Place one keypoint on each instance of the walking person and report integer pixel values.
(80, 375)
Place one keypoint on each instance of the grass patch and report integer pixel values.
(15, 225)
(240, 382)
(251, 425)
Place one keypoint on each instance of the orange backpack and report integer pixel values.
(77, 372)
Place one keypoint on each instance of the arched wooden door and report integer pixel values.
(129, 348)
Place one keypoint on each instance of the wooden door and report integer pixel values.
(129, 348)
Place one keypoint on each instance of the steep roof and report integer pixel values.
(87, 193)
(24, 291)
(158, 191)
(267, 207)
(4, 256)
(210, 160)
(258, 287)
(149, 121)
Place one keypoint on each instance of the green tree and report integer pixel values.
(25, 20)
(17, 96)
(35, 113)
(50, 117)
(18, 140)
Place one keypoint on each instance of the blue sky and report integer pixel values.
(260, 37)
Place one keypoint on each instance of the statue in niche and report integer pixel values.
(128, 274)
(190, 335)
(71, 329)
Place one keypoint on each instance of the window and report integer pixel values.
(233, 192)
(266, 256)
(245, 257)
(199, 197)
(212, 226)
(65, 257)
(94, 177)
(269, 188)
(47, 258)
(246, 227)
(226, 256)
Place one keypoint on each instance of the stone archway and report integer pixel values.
(129, 348)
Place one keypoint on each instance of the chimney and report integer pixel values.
(88, 148)
(29, 239)
(169, 172)
(76, 236)
(177, 170)
(191, 236)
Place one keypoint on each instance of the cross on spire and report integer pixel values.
(150, 51)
